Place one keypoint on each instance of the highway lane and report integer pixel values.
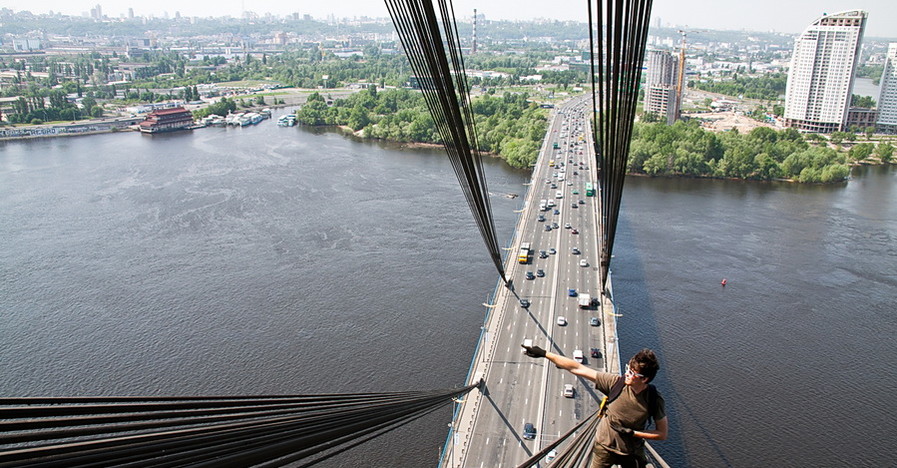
(488, 429)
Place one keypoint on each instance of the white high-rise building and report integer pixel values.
(820, 81)
(660, 85)
(887, 99)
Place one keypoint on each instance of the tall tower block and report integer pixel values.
(820, 81)
(887, 100)
(473, 49)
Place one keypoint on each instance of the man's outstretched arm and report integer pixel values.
(575, 368)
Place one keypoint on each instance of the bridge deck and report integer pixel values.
(487, 427)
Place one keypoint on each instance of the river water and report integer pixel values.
(283, 260)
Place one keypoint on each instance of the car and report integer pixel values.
(568, 226)
(562, 320)
(582, 202)
(524, 303)
(551, 455)
(575, 251)
(557, 211)
(552, 251)
(547, 227)
(554, 186)
(543, 254)
(575, 173)
(569, 183)
(555, 225)
(574, 231)
(571, 292)
(583, 263)
(595, 353)
(574, 205)
(575, 192)
(541, 218)
(529, 431)
(577, 356)
(530, 275)
(594, 321)
(568, 390)
(540, 273)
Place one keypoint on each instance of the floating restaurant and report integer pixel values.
(167, 120)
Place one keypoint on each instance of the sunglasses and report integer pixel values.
(631, 372)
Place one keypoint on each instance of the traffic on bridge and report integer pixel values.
(553, 301)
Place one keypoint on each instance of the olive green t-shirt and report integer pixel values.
(627, 410)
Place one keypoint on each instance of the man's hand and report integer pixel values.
(622, 430)
(534, 351)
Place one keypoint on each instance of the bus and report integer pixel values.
(523, 255)
(590, 190)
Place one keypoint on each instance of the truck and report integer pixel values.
(585, 301)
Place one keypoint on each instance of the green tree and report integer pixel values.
(885, 151)
(861, 151)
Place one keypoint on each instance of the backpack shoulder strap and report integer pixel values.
(615, 391)
(652, 404)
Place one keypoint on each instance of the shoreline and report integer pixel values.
(112, 127)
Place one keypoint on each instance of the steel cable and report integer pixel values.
(200, 431)
(439, 68)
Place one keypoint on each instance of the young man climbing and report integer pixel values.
(621, 434)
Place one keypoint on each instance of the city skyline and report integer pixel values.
(763, 15)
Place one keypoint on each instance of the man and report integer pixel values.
(620, 439)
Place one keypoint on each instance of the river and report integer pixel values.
(285, 260)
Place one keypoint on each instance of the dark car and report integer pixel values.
(594, 321)
(540, 273)
(557, 211)
(571, 292)
(574, 205)
(541, 218)
(529, 431)
(543, 254)
(524, 303)
(596, 353)
(582, 202)
(547, 227)
(530, 275)
(575, 231)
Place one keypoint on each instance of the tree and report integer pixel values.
(885, 151)
(861, 151)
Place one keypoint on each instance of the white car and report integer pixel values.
(583, 263)
(577, 355)
(568, 390)
(562, 320)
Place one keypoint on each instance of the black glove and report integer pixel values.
(534, 351)
(622, 430)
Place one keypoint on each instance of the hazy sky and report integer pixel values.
(757, 15)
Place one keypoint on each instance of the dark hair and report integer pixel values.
(645, 362)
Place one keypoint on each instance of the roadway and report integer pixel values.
(487, 430)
